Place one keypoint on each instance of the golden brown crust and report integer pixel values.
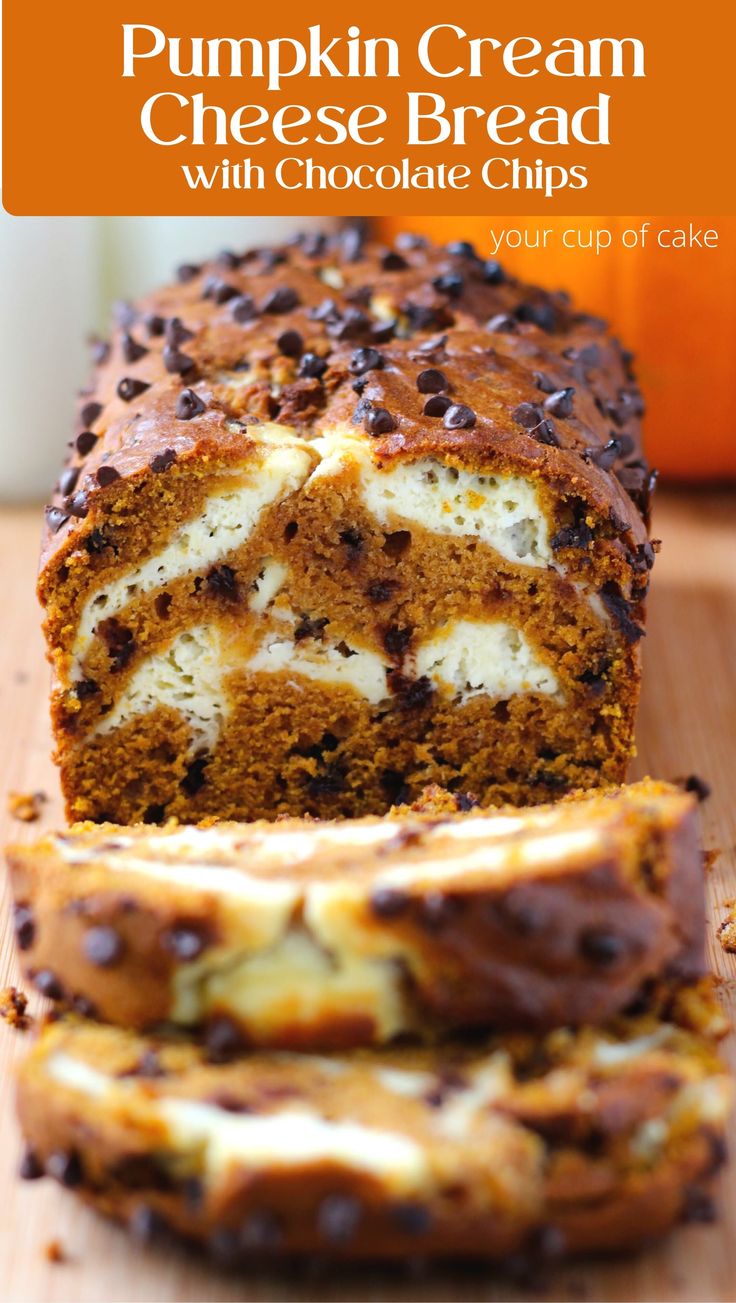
(532, 936)
(589, 1142)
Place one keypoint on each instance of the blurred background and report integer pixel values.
(676, 309)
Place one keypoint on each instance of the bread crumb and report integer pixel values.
(727, 932)
(13, 1005)
(26, 806)
(54, 1251)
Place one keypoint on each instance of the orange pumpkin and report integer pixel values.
(675, 308)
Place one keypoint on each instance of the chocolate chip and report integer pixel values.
(397, 640)
(68, 480)
(100, 351)
(693, 783)
(587, 357)
(220, 291)
(393, 261)
(222, 580)
(601, 947)
(577, 535)
(223, 1246)
(560, 403)
(432, 381)
(129, 388)
(409, 240)
(353, 539)
(290, 343)
(48, 984)
(493, 272)
(189, 405)
(698, 1206)
(352, 241)
(462, 249)
(544, 383)
(538, 314)
(365, 359)
(78, 505)
(502, 324)
(118, 640)
(30, 1168)
(450, 283)
(185, 942)
(146, 1224)
(423, 317)
(378, 420)
(546, 433)
(528, 415)
(55, 518)
(176, 362)
(163, 461)
(106, 475)
(176, 332)
(84, 1007)
(381, 590)
(411, 1218)
(312, 366)
(437, 405)
(243, 309)
(222, 1038)
(617, 606)
(90, 412)
(310, 628)
(132, 350)
(281, 299)
(262, 1229)
(459, 417)
(389, 902)
(154, 323)
(604, 457)
(65, 1167)
(85, 442)
(436, 910)
(103, 946)
(338, 1217)
(187, 272)
(25, 926)
(195, 777)
(412, 694)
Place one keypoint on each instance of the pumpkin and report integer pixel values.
(675, 308)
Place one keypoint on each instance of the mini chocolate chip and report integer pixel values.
(352, 241)
(281, 299)
(290, 343)
(189, 405)
(338, 1217)
(559, 403)
(146, 1224)
(30, 1168)
(409, 240)
(176, 332)
(176, 362)
(459, 417)
(450, 283)
(365, 359)
(187, 272)
(493, 272)
(90, 412)
(528, 415)
(502, 324)
(604, 457)
(129, 388)
(432, 381)
(154, 323)
(78, 505)
(132, 350)
(437, 405)
(389, 902)
(68, 480)
(103, 946)
(577, 535)
(423, 317)
(698, 1206)
(393, 261)
(352, 538)
(601, 947)
(222, 1038)
(378, 420)
(243, 309)
(262, 1229)
(222, 1245)
(223, 581)
(462, 249)
(24, 925)
(84, 1007)
(411, 1218)
(381, 590)
(65, 1167)
(106, 475)
(48, 984)
(85, 442)
(544, 383)
(436, 909)
(538, 314)
(312, 366)
(100, 351)
(184, 942)
(163, 461)
(618, 607)
(55, 518)
(694, 783)
(545, 432)
(220, 291)
(397, 640)
(310, 628)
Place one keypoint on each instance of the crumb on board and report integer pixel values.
(13, 1005)
(54, 1251)
(727, 931)
(26, 806)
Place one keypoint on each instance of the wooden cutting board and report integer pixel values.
(687, 724)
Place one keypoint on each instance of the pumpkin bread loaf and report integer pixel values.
(340, 521)
(305, 934)
(579, 1141)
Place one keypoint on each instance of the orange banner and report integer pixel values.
(145, 107)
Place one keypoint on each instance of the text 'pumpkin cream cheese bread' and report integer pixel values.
(309, 934)
(589, 1140)
(340, 521)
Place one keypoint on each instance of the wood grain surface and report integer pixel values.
(687, 724)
